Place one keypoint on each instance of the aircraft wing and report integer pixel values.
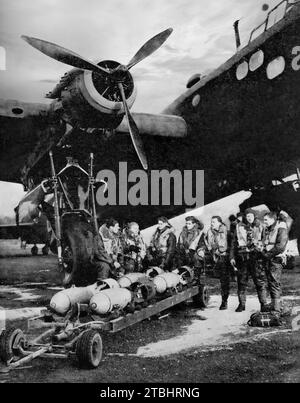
(222, 207)
(27, 131)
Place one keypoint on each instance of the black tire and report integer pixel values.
(77, 253)
(202, 298)
(34, 250)
(89, 349)
(45, 250)
(7, 340)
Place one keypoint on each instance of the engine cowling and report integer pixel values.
(94, 101)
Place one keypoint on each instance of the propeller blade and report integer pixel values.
(134, 131)
(149, 47)
(62, 54)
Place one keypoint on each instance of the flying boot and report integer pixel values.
(242, 303)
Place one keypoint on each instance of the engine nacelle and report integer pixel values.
(165, 281)
(64, 300)
(92, 100)
(106, 301)
(128, 279)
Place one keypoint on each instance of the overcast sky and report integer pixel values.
(203, 38)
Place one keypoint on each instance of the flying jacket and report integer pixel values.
(275, 239)
(189, 239)
(112, 243)
(134, 240)
(247, 237)
(163, 243)
(216, 241)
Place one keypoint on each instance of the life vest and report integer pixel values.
(160, 239)
(189, 239)
(270, 237)
(249, 235)
(241, 234)
(138, 241)
(217, 240)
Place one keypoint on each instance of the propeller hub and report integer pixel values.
(107, 85)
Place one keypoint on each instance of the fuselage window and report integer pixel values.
(275, 67)
(196, 100)
(256, 60)
(242, 70)
(276, 15)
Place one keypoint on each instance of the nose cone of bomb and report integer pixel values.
(160, 284)
(130, 278)
(124, 282)
(60, 303)
(100, 303)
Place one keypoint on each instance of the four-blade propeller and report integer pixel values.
(71, 58)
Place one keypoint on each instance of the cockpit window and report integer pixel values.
(256, 60)
(277, 14)
(274, 15)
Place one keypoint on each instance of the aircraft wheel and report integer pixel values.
(75, 258)
(89, 349)
(202, 298)
(34, 250)
(68, 263)
(10, 341)
(45, 250)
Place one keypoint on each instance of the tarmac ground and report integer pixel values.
(187, 345)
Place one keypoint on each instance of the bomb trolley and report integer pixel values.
(79, 332)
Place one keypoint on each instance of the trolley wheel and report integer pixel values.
(202, 298)
(10, 341)
(45, 250)
(34, 250)
(89, 349)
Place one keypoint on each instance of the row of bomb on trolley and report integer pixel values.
(129, 293)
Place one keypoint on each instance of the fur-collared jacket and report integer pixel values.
(192, 239)
(113, 244)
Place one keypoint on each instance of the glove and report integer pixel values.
(117, 265)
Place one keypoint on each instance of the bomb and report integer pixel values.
(143, 290)
(107, 283)
(107, 300)
(128, 279)
(154, 271)
(165, 281)
(186, 273)
(64, 300)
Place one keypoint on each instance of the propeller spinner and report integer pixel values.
(117, 75)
